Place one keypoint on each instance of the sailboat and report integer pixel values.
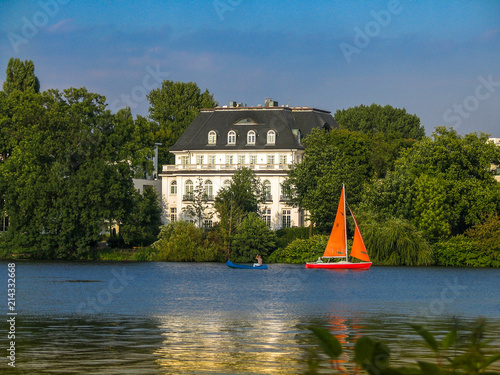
(336, 247)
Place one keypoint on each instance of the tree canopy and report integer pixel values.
(373, 119)
(442, 184)
(21, 77)
(174, 106)
(331, 159)
(66, 168)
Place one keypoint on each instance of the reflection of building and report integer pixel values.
(496, 168)
(265, 139)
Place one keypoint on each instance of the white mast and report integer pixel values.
(345, 222)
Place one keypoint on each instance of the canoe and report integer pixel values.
(246, 266)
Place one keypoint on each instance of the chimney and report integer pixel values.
(270, 102)
(233, 104)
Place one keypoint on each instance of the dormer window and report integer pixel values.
(212, 137)
(271, 137)
(251, 137)
(231, 137)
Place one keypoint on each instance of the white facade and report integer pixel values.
(216, 168)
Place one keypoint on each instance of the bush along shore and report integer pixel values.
(394, 243)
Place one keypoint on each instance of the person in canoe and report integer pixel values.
(259, 261)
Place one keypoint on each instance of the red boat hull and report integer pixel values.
(340, 265)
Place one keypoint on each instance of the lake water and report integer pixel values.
(205, 318)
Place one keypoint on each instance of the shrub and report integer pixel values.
(301, 250)
(461, 251)
(181, 241)
(286, 235)
(396, 242)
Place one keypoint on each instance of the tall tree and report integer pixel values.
(235, 202)
(142, 225)
(62, 180)
(174, 106)
(21, 77)
(373, 119)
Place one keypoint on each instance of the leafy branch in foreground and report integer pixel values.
(456, 354)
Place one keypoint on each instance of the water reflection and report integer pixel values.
(208, 319)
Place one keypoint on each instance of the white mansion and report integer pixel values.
(220, 140)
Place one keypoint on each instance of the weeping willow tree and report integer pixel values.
(396, 242)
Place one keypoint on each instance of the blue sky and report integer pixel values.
(438, 59)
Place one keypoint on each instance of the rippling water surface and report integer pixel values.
(179, 318)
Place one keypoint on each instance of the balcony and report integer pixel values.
(223, 167)
(187, 197)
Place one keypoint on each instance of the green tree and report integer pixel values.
(61, 182)
(331, 159)
(142, 225)
(174, 106)
(234, 202)
(443, 184)
(199, 208)
(181, 241)
(21, 77)
(134, 141)
(374, 119)
(395, 242)
(253, 237)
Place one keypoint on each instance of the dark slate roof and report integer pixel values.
(285, 121)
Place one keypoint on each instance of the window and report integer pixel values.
(271, 137)
(284, 196)
(184, 160)
(173, 187)
(212, 137)
(229, 159)
(173, 214)
(241, 159)
(286, 219)
(189, 190)
(227, 183)
(267, 190)
(270, 159)
(209, 189)
(231, 137)
(267, 217)
(251, 137)
(283, 159)
(253, 159)
(199, 159)
(211, 159)
(207, 224)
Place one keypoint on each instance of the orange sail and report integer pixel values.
(358, 246)
(337, 243)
